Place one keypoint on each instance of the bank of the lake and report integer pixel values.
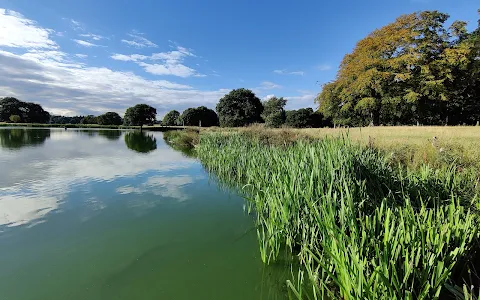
(362, 226)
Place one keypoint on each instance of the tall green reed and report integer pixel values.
(362, 230)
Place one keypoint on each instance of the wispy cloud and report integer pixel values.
(139, 41)
(268, 85)
(324, 67)
(92, 36)
(83, 56)
(171, 62)
(86, 44)
(76, 25)
(285, 72)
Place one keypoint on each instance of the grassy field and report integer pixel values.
(407, 145)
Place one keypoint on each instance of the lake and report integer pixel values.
(107, 214)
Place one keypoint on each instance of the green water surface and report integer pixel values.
(107, 214)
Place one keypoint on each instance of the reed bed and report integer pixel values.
(361, 229)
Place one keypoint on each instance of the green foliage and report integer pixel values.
(110, 118)
(273, 112)
(140, 142)
(90, 119)
(172, 118)
(240, 107)
(200, 115)
(139, 115)
(15, 118)
(66, 120)
(28, 112)
(301, 118)
(361, 229)
(412, 70)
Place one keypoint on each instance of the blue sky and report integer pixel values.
(89, 57)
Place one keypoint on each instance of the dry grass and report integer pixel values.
(409, 145)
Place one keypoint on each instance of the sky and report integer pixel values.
(91, 56)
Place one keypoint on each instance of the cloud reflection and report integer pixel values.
(37, 180)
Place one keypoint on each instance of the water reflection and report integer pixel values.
(36, 182)
(17, 138)
(140, 141)
(110, 134)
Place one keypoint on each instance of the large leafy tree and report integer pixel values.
(27, 111)
(273, 112)
(412, 70)
(240, 107)
(172, 118)
(110, 118)
(200, 116)
(140, 115)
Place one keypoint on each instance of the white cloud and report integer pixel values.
(324, 67)
(168, 69)
(85, 43)
(40, 72)
(16, 31)
(268, 97)
(139, 41)
(285, 72)
(303, 101)
(171, 62)
(133, 57)
(92, 36)
(85, 90)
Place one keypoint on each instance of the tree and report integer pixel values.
(301, 118)
(140, 142)
(200, 116)
(28, 112)
(110, 118)
(412, 70)
(15, 118)
(240, 107)
(273, 112)
(140, 115)
(171, 118)
(90, 119)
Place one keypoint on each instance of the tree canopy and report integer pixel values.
(171, 118)
(200, 116)
(303, 118)
(90, 119)
(240, 107)
(27, 111)
(273, 112)
(110, 118)
(412, 70)
(140, 115)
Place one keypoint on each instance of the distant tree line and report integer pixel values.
(414, 70)
(241, 107)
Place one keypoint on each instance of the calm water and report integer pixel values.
(119, 215)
